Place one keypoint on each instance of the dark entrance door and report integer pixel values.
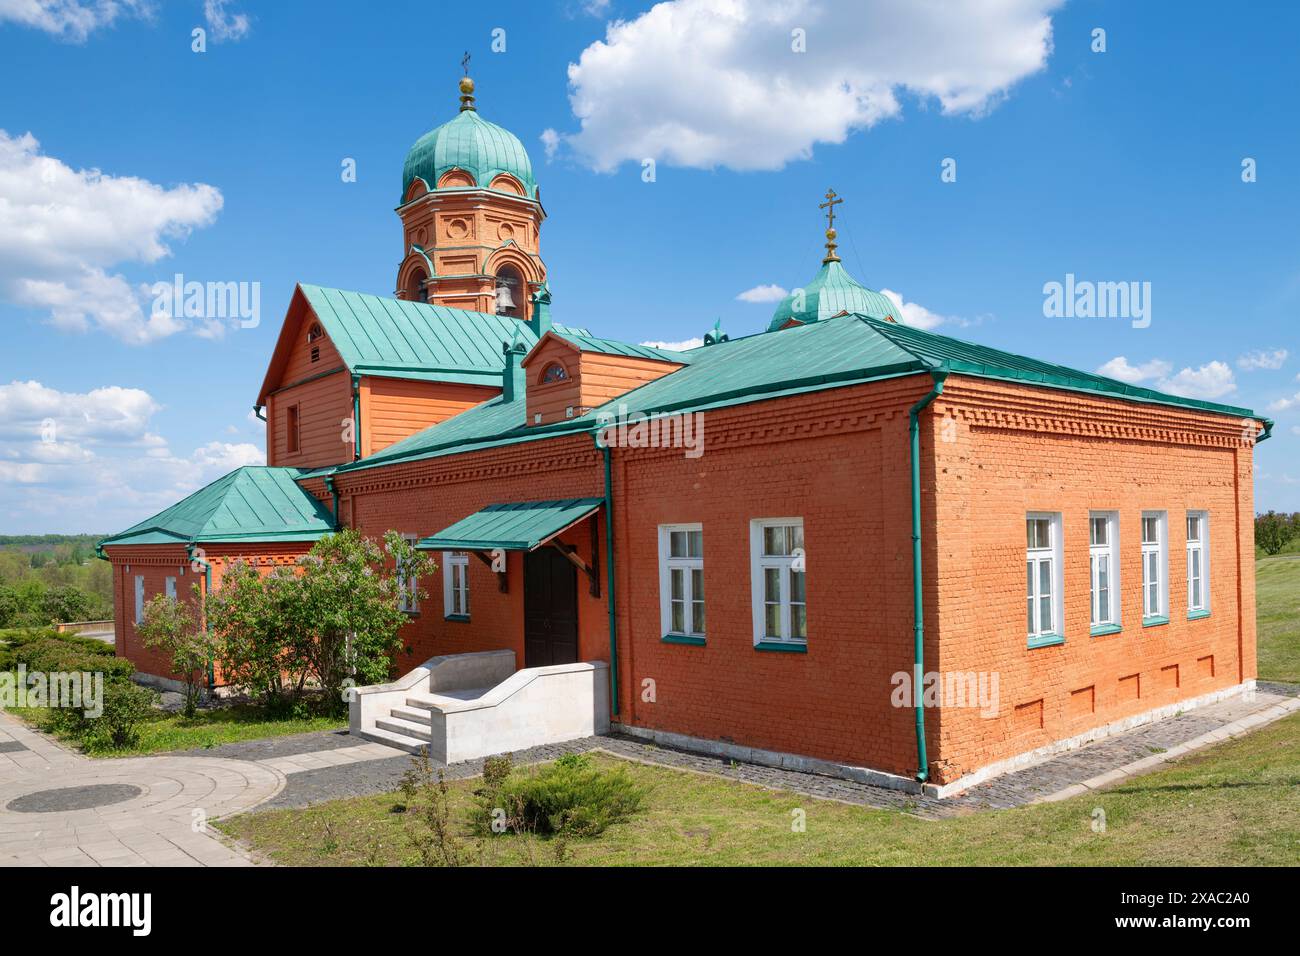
(550, 609)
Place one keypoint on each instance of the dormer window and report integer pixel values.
(555, 372)
(315, 333)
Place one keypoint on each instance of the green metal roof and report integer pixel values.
(802, 358)
(516, 526)
(253, 503)
(831, 292)
(397, 338)
(591, 343)
(468, 142)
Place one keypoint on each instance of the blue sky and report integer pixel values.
(1122, 165)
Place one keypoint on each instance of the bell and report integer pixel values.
(505, 301)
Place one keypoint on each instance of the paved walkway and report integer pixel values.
(58, 808)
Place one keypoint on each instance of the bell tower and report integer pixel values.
(471, 217)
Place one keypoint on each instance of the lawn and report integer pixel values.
(1277, 617)
(225, 725)
(1237, 804)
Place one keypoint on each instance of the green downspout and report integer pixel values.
(918, 627)
(356, 417)
(207, 589)
(609, 577)
(333, 490)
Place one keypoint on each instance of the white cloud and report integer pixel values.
(1210, 381)
(90, 461)
(550, 142)
(62, 229)
(705, 83)
(763, 293)
(916, 315)
(1285, 404)
(223, 25)
(72, 20)
(681, 346)
(1119, 368)
(1271, 359)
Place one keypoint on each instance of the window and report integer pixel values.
(1198, 587)
(554, 372)
(1103, 549)
(1155, 566)
(1043, 579)
(777, 576)
(681, 583)
(291, 430)
(315, 332)
(408, 593)
(139, 599)
(170, 587)
(455, 584)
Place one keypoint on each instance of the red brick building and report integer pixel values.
(773, 540)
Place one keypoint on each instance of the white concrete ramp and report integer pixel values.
(464, 706)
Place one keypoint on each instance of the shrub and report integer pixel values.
(1273, 531)
(570, 797)
(126, 706)
(174, 628)
(51, 653)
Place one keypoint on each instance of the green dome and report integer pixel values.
(471, 143)
(831, 292)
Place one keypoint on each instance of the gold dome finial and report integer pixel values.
(829, 205)
(466, 86)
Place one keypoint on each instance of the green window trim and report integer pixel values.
(1196, 615)
(1100, 630)
(1155, 621)
(788, 647)
(688, 639)
(456, 618)
(1045, 640)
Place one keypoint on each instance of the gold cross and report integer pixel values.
(829, 205)
(464, 63)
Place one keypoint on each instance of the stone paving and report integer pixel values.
(43, 821)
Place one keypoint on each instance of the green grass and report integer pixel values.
(1277, 617)
(1236, 804)
(210, 728)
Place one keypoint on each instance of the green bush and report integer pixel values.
(570, 796)
(51, 654)
(126, 706)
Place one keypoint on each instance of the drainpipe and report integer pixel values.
(918, 627)
(356, 417)
(330, 487)
(257, 410)
(1267, 433)
(207, 588)
(609, 576)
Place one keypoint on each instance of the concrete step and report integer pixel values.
(406, 728)
(399, 740)
(417, 715)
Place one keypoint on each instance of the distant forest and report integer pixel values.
(51, 578)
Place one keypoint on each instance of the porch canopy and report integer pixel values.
(521, 526)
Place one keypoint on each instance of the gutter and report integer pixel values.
(918, 627)
(356, 417)
(609, 576)
(1267, 433)
(257, 410)
(207, 588)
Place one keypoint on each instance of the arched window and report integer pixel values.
(416, 288)
(555, 372)
(315, 332)
(510, 292)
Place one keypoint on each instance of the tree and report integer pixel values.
(254, 620)
(1273, 531)
(347, 607)
(175, 628)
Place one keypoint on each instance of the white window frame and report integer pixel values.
(169, 587)
(759, 563)
(1108, 555)
(1202, 549)
(1053, 554)
(455, 560)
(408, 600)
(686, 565)
(1159, 612)
(139, 599)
